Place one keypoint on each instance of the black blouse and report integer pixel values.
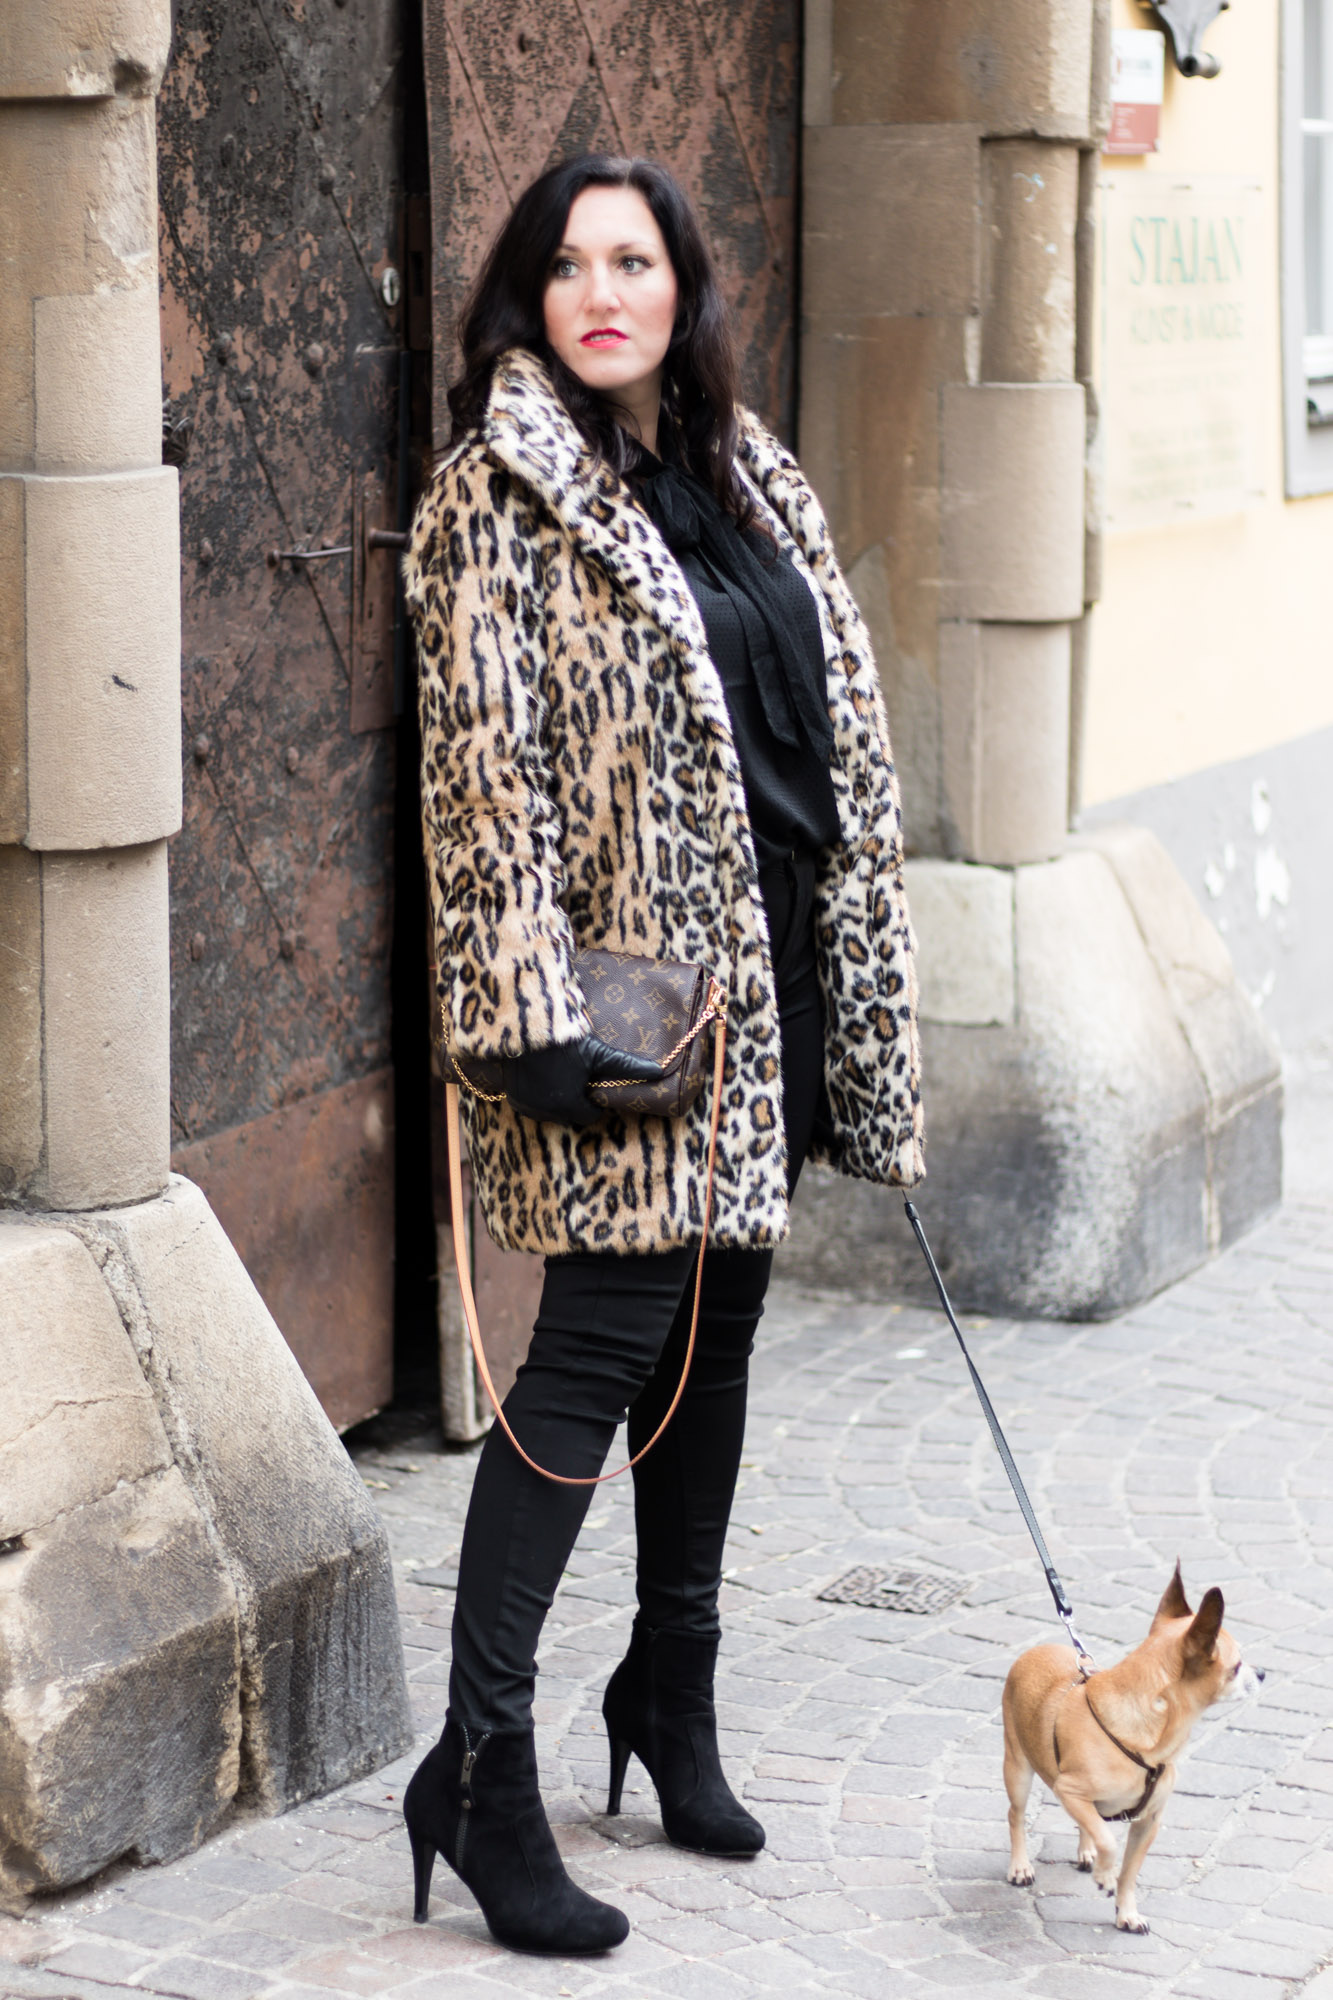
(765, 641)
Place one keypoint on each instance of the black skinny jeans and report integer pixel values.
(610, 1336)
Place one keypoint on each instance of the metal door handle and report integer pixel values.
(277, 556)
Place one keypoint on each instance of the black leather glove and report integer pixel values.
(553, 1083)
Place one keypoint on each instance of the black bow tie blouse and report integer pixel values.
(765, 641)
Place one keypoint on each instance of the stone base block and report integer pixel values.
(1108, 1118)
(204, 1617)
(120, 1720)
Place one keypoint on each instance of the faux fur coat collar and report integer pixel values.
(581, 787)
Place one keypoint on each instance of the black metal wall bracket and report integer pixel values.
(1187, 22)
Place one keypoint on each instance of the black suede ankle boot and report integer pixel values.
(659, 1704)
(474, 1799)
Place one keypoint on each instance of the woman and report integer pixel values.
(650, 721)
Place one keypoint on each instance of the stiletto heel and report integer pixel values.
(474, 1800)
(619, 1765)
(659, 1704)
(423, 1867)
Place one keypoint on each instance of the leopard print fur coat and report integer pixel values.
(581, 787)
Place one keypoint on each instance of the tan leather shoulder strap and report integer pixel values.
(465, 1276)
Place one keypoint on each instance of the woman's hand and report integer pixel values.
(553, 1083)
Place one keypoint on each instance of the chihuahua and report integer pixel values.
(1106, 1743)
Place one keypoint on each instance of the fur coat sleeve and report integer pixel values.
(492, 831)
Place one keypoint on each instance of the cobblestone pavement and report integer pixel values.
(868, 1741)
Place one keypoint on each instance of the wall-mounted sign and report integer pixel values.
(1182, 362)
(1138, 69)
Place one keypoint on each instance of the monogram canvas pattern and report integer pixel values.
(647, 1006)
(581, 790)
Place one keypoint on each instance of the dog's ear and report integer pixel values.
(1174, 1602)
(1201, 1639)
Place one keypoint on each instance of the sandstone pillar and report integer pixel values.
(1085, 1138)
(196, 1606)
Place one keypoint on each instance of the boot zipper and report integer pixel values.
(466, 1801)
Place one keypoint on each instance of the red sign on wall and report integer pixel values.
(1138, 70)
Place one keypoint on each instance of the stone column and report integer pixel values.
(89, 578)
(1085, 1130)
(196, 1605)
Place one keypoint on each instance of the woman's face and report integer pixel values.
(610, 301)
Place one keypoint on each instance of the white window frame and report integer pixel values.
(1307, 357)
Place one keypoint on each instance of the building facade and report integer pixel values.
(1209, 696)
(218, 1156)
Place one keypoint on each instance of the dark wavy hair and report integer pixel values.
(504, 309)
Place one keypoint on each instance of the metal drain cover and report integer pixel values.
(920, 1590)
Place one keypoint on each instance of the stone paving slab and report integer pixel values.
(868, 1741)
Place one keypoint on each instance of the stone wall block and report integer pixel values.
(80, 181)
(84, 48)
(963, 918)
(102, 597)
(13, 665)
(1011, 530)
(1023, 752)
(325, 1697)
(22, 1137)
(72, 1428)
(1004, 705)
(1067, 1151)
(98, 367)
(1031, 193)
(106, 1027)
(1021, 68)
(1237, 1056)
(120, 1702)
(817, 63)
(892, 220)
(960, 684)
(869, 441)
(907, 676)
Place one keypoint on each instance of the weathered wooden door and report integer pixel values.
(282, 316)
(513, 86)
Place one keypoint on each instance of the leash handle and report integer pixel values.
(1064, 1608)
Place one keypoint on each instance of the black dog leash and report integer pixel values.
(1057, 1589)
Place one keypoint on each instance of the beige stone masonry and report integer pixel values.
(97, 368)
(82, 48)
(1004, 692)
(192, 1554)
(120, 1709)
(907, 241)
(106, 1027)
(817, 64)
(1011, 501)
(1228, 1037)
(303, 1544)
(84, 1421)
(22, 1140)
(1029, 320)
(1024, 67)
(101, 662)
(79, 220)
(964, 919)
(13, 657)
(870, 442)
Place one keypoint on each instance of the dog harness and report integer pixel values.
(1154, 1771)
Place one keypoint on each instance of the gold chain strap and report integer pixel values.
(715, 1009)
(466, 1082)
